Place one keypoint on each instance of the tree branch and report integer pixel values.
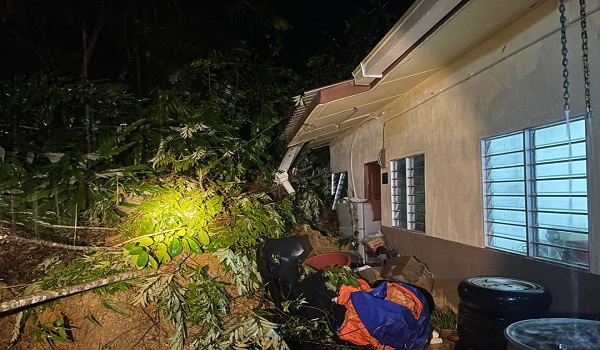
(95, 228)
(54, 244)
(52, 294)
(33, 47)
(88, 47)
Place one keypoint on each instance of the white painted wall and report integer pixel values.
(353, 150)
(510, 82)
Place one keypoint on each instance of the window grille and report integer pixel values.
(535, 193)
(408, 192)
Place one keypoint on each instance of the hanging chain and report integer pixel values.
(565, 60)
(586, 69)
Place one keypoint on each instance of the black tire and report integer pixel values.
(497, 320)
(481, 329)
(510, 295)
(477, 339)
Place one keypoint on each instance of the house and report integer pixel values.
(458, 118)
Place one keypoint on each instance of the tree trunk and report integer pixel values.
(54, 244)
(46, 295)
(52, 294)
(90, 43)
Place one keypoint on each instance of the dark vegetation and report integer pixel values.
(163, 120)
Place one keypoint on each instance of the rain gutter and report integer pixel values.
(419, 21)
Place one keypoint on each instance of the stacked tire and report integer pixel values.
(489, 304)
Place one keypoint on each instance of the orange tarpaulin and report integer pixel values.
(384, 332)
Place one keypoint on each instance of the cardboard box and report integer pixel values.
(442, 346)
(408, 269)
(369, 273)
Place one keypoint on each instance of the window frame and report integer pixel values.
(531, 196)
(339, 187)
(408, 192)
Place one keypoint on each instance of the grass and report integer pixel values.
(444, 318)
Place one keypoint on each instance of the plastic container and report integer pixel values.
(553, 334)
(322, 261)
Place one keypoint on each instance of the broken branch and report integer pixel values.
(55, 244)
(52, 294)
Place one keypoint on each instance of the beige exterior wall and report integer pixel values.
(510, 82)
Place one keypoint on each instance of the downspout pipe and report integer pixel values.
(282, 176)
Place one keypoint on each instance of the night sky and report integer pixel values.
(156, 36)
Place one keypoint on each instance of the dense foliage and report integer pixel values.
(176, 148)
(77, 146)
(186, 171)
(195, 219)
(66, 146)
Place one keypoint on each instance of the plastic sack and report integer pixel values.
(373, 241)
(390, 316)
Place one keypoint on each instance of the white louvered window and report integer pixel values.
(535, 193)
(408, 192)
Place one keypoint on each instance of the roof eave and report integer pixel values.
(416, 23)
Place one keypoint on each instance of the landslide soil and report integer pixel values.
(93, 325)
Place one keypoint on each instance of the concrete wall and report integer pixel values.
(354, 150)
(574, 292)
(510, 82)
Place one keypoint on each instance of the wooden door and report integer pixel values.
(373, 188)
(373, 181)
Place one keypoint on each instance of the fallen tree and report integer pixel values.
(47, 295)
(19, 239)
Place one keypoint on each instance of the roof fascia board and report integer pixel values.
(410, 29)
(340, 91)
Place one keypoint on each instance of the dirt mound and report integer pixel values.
(109, 322)
(93, 325)
(321, 243)
(101, 321)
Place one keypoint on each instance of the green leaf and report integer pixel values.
(146, 241)
(203, 237)
(40, 194)
(117, 150)
(194, 245)
(9, 184)
(93, 320)
(186, 245)
(162, 256)
(142, 259)
(147, 226)
(62, 332)
(56, 337)
(112, 306)
(136, 250)
(175, 247)
(30, 288)
(153, 262)
(129, 129)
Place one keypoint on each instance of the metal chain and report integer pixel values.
(565, 60)
(586, 69)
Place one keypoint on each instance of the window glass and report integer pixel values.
(339, 186)
(535, 186)
(504, 144)
(503, 160)
(408, 193)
